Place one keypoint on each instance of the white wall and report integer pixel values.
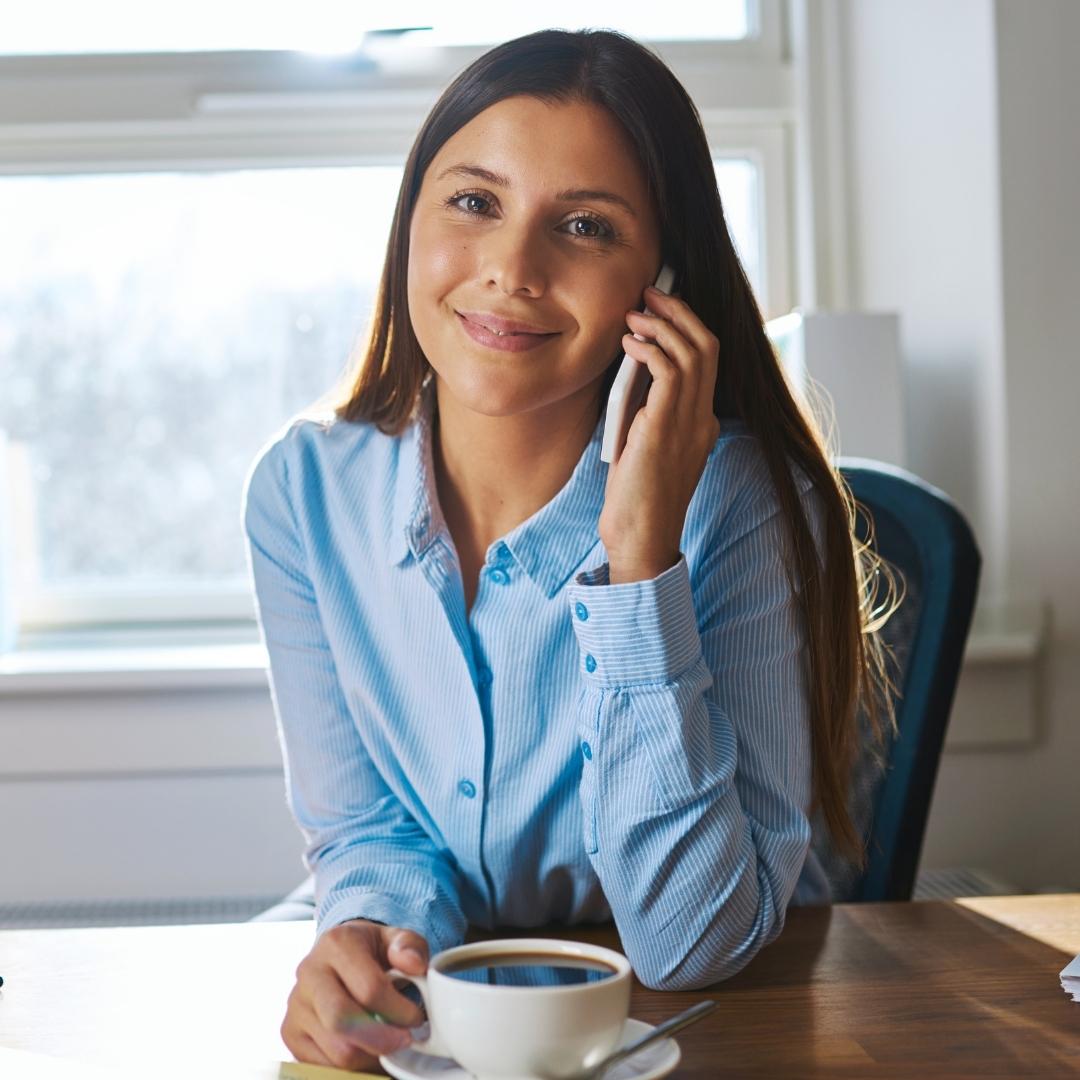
(964, 172)
(925, 234)
(146, 794)
(147, 837)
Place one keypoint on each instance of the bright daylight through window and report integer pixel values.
(157, 328)
(159, 321)
(71, 26)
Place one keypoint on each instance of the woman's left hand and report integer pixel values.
(650, 486)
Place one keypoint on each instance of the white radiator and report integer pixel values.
(174, 910)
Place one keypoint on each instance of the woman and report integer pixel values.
(517, 686)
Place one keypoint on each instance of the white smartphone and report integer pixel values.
(629, 389)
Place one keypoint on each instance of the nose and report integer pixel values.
(513, 261)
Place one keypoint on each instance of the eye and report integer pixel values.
(599, 231)
(604, 231)
(472, 196)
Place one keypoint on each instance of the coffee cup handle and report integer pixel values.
(430, 1045)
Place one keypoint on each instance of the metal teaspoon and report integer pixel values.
(668, 1027)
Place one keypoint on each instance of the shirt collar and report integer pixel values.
(548, 546)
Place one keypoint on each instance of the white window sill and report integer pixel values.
(1004, 632)
(196, 658)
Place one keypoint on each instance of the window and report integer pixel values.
(190, 247)
(332, 26)
(158, 327)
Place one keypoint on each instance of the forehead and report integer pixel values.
(541, 146)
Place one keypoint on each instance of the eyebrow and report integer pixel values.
(569, 195)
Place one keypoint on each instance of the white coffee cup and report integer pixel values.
(501, 1032)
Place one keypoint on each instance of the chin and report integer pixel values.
(498, 392)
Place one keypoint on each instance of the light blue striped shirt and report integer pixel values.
(568, 750)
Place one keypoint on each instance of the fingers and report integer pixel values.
(344, 1010)
(680, 333)
(308, 1041)
(664, 393)
(681, 316)
(307, 1049)
(691, 351)
(674, 343)
(675, 348)
(405, 950)
(344, 1022)
(317, 1045)
(361, 959)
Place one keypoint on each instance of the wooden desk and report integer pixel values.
(895, 990)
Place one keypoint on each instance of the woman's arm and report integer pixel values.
(694, 721)
(370, 857)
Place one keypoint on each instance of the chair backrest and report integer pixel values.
(922, 534)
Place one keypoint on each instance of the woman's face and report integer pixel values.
(537, 214)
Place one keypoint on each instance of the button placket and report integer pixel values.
(497, 567)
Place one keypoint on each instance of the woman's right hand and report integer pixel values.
(341, 983)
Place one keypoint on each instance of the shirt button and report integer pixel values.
(590, 662)
(484, 676)
(498, 575)
(586, 749)
(581, 611)
(467, 788)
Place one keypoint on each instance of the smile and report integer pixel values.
(503, 340)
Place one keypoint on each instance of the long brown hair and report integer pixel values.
(838, 598)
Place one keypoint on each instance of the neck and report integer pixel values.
(494, 472)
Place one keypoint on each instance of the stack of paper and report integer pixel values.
(1070, 979)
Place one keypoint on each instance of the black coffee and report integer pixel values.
(529, 969)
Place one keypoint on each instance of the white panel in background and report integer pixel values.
(855, 358)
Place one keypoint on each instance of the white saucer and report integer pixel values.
(648, 1064)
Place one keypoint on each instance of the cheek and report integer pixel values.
(608, 320)
(437, 261)
(612, 299)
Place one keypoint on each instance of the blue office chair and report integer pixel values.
(922, 534)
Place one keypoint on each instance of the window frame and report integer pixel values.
(127, 112)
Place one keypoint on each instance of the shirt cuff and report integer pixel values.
(637, 631)
(378, 908)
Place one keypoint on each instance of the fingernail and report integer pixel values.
(409, 951)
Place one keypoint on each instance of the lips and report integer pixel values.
(501, 340)
(497, 324)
